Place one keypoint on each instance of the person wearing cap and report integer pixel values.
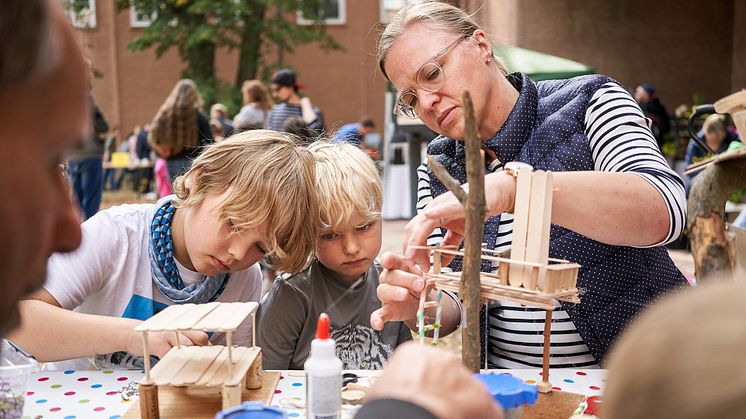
(284, 88)
(654, 109)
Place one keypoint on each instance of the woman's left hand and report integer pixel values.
(446, 211)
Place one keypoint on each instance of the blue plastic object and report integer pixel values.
(509, 391)
(252, 410)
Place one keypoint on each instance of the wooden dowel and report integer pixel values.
(146, 356)
(229, 344)
(547, 346)
(253, 329)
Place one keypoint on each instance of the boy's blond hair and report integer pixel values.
(348, 185)
(272, 182)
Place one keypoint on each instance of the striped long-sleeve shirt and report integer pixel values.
(620, 140)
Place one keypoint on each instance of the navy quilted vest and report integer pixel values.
(546, 130)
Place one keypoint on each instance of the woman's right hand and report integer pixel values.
(399, 290)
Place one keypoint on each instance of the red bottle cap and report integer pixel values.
(322, 327)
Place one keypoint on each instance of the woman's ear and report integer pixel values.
(484, 44)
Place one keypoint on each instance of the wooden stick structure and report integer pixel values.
(529, 277)
(227, 367)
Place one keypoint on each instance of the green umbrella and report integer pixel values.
(540, 66)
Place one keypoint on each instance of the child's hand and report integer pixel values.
(159, 343)
(399, 291)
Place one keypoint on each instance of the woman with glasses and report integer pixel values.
(616, 201)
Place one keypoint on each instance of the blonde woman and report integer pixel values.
(245, 198)
(616, 201)
(179, 129)
(256, 106)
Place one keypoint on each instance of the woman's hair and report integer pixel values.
(271, 182)
(30, 48)
(714, 123)
(254, 91)
(348, 184)
(684, 358)
(438, 15)
(174, 127)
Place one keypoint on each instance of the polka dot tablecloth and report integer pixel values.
(97, 394)
(78, 394)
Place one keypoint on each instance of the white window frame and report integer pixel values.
(139, 23)
(91, 16)
(339, 20)
(384, 15)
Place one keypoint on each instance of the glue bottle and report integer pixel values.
(323, 375)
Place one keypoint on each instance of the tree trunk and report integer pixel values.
(713, 253)
(250, 43)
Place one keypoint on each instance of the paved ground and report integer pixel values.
(393, 233)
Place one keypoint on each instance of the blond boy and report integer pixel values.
(243, 199)
(343, 276)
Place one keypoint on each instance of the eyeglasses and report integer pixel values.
(430, 77)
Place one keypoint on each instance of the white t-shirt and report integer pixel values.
(110, 274)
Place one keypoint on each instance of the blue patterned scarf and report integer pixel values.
(163, 266)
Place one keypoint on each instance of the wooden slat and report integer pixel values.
(165, 317)
(221, 363)
(171, 364)
(537, 238)
(200, 362)
(193, 316)
(227, 317)
(243, 365)
(521, 218)
(729, 103)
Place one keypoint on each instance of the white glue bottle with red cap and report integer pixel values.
(323, 375)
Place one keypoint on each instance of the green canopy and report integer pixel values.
(540, 66)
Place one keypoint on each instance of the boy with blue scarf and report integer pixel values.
(243, 199)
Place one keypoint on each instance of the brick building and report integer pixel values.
(684, 47)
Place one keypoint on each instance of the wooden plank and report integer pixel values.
(537, 240)
(733, 101)
(243, 365)
(202, 403)
(220, 364)
(192, 317)
(556, 404)
(201, 360)
(167, 316)
(171, 364)
(521, 213)
(227, 317)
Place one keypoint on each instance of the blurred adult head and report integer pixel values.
(254, 91)
(715, 131)
(42, 74)
(432, 52)
(284, 85)
(644, 93)
(366, 125)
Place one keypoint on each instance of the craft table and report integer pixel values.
(97, 394)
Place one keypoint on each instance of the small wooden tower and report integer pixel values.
(527, 277)
(226, 367)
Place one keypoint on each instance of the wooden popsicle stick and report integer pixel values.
(167, 316)
(198, 364)
(171, 364)
(537, 241)
(192, 317)
(520, 225)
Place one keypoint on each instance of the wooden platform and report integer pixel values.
(202, 366)
(197, 403)
(553, 405)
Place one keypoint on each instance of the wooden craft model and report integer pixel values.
(227, 367)
(528, 277)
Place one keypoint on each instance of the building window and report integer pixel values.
(82, 13)
(389, 9)
(331, 12)
(141, 18)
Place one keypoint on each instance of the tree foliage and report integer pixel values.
(199, 28)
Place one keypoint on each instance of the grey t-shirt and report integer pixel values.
(289, 312)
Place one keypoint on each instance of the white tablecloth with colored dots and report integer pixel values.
(98, 394)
